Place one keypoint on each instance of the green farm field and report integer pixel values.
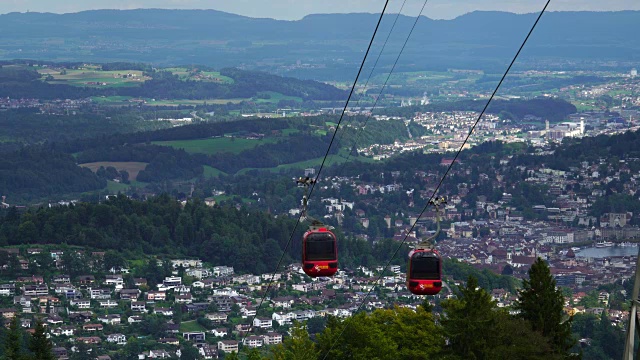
(93, 77)
(191, 326)
(210, 172)
(178, 102)
(275, 97)
(215, 145)
(335, 159)
(115, 187)
(111, 100)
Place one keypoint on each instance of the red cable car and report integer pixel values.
(424, 273)
(319, 252)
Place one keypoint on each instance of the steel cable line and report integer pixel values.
(374, 67)
(435, 191)
(355, 141)
(284, 251)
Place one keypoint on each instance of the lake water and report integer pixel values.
(595, 252)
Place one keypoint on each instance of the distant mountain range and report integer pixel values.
(322, 46)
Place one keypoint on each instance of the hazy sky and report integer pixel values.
(296, 9)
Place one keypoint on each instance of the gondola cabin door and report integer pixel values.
(424, 273)
(319, 252)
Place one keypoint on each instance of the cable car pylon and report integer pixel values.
(633, 317)
(424, 272)
(319, 245)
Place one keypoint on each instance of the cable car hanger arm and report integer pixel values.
(315, 223)
(429, 243)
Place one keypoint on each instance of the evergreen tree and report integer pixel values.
(469, 322)
(517, 341)
(414, 333)
(296, 347)
(82, 352)
(39, 345)
(607, 338)
(13, 341)
(254, 354)
(541, 303)
(177, 313)
(355, 338)
(189, 352)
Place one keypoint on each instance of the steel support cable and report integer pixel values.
(355, 141)
(435, 191)
(284, 251)
(384, 45)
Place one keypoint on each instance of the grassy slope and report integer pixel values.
(215, 145)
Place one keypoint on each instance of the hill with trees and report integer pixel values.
(160, 225)
(18, 80)
(482, 39)
(33, 173)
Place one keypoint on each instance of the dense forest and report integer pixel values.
(190, 132)
(170, 163)
(375, 132)
(29, 126)
(164, 163)
(304, 145)
(612, 148)
(249, 240)
(294, 149)
(32, 173)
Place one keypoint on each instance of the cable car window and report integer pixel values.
(425, 268)
(320, 246)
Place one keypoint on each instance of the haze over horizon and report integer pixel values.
(286, 10)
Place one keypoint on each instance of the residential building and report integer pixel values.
(263, 323)
(139, 306)
(195, 336)
(253, 341)
(118, 338)
(228, 346)
(272, 338)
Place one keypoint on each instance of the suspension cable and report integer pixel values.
(284, 251)
(355, 141)
(384, 45)
(435, 191)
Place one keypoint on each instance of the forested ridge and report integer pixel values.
(189, 132)
(27, 83)
(574, 151)
(170, 163)
(165, 163)
(300, 146)
(31, 173)
(249, 240)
